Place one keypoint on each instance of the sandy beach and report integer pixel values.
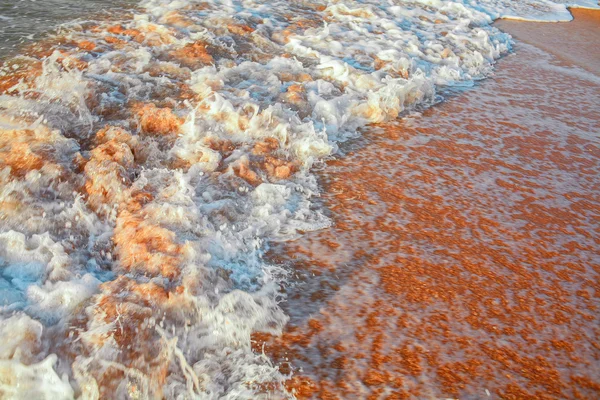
(270, 199)
(464, 259)
(574, 42)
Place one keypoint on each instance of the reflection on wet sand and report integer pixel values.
(464, 259)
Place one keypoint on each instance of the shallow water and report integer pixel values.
(558, 39)
(149, 159)
(464, 258)
(25, 21)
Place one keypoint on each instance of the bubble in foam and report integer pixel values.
(37, 380)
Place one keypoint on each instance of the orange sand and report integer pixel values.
(464, 261)
(576, 42)
(429, 285)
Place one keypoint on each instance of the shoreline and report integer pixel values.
(155, 160)
(448, 265)
(555, 37)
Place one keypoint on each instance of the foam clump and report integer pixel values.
(39, 381)
(20, 375)
(21, 338)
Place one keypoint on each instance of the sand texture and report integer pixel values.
(464, 260)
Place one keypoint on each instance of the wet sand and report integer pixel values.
(464, 258)
(575, 42)
(142, 168)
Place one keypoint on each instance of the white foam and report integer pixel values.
(589, 4)
(38, 381)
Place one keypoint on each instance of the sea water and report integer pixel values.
(149, 157)
(24, 21)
